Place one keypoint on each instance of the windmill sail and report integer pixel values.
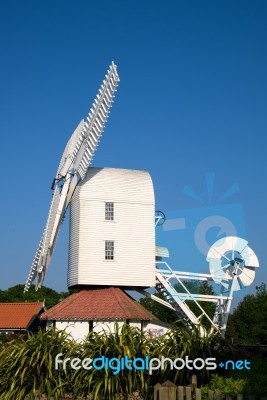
(231, 258)
(75, 160)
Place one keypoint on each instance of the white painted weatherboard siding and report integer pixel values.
(133, 229)
(80, 329)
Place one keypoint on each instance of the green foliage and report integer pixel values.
(225, 385)
(15, 294)
(248, 323)
(167, 315)
(255, 377)
(104, 384)
(131, 342)
(261, 290)
(3, 338)
(179, 344)
(159, 310)
(247, 382)
(27, 365)
(199, 287)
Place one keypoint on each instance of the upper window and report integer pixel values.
(109, 211)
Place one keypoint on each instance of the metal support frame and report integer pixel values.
(177, 301)
(230, 275)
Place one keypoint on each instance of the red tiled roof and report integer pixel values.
(18, 315)
(98, 304)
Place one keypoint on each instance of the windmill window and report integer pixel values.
(109, 211)
(109, 250)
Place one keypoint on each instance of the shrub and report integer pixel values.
(103, 384)
(27, 365)
(225, 385)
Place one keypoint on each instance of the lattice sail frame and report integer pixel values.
(230, 258)
(225, 258)
(74, 163)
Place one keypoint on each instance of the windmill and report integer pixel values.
(75, 160)
(232, 266)
(112, 230)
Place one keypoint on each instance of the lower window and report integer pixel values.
(109, 250)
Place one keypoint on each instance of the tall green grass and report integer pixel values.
(27, 365)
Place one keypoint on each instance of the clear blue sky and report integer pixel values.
(191, 102)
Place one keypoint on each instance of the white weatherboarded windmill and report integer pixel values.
(112, 236)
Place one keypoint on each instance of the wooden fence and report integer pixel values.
(169, 391)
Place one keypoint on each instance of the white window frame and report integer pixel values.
(109, 211)
(109, 250)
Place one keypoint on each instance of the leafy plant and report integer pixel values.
(180, 344)
(27, 365)
(247, 324)
(225, 385)
(16, 294)
(104, 384)
(3, 338)
(255, 377)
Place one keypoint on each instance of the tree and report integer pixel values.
(167, 315)
(15, 294)
(199, 287)
(248, 323)
(163, 313)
